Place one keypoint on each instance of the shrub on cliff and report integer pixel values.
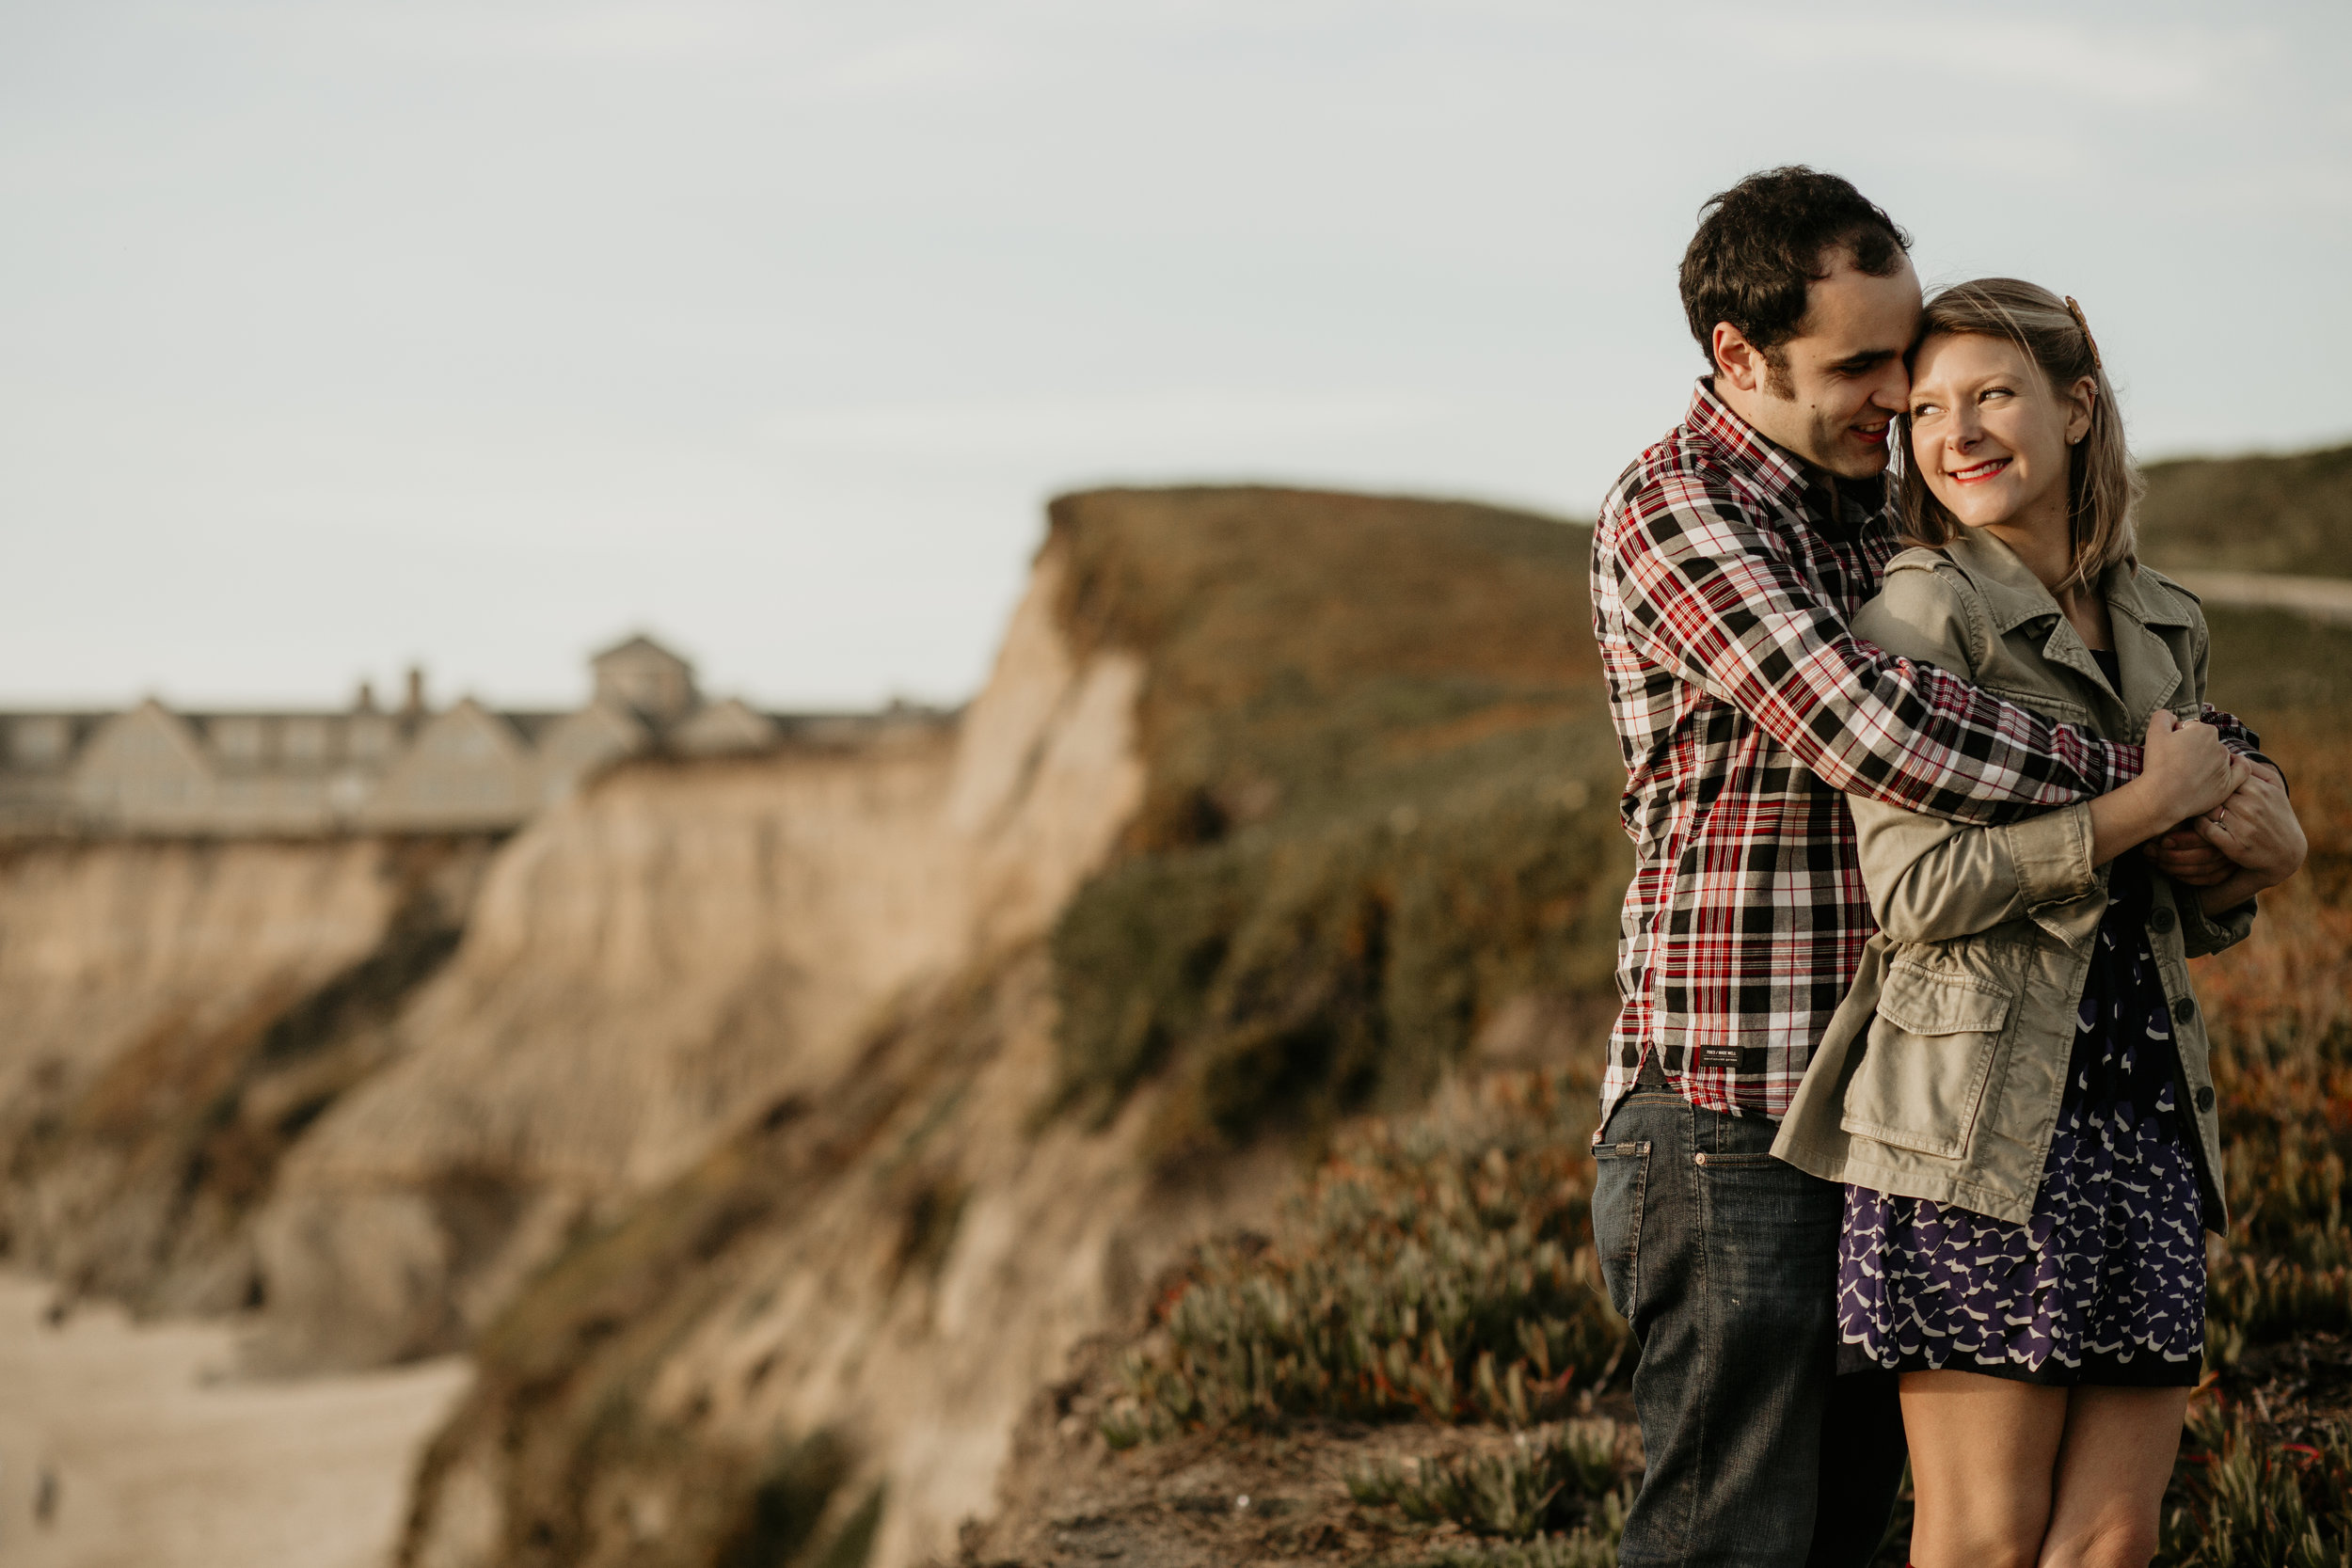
(1566, 1477)
(2250, 1501)
(1438, 1269)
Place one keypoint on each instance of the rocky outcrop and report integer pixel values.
(177, 1014)
(661, 961)
(824, 1336)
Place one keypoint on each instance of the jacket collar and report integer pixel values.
(2136, 602)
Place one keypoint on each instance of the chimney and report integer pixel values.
(365, 701)
(414, 706)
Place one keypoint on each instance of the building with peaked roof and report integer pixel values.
(156, 769)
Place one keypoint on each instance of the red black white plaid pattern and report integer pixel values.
(1724, 575)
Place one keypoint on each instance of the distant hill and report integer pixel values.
(2291, 513)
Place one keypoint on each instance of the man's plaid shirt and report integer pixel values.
(1724, 575)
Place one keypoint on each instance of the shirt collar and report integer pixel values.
(1776, 474)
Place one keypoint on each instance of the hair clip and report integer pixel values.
(2076, 312)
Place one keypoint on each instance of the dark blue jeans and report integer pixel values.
(1725, 1260)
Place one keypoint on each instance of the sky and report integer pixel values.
(339, 335)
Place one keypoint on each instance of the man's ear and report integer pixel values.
(1737, 361)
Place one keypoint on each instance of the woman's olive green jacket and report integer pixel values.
(1941, 1074)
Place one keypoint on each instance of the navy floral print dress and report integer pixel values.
(2105, 1283)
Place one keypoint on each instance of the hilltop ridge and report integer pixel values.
(2290, 513)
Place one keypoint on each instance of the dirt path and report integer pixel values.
(150, 1457)
(2321, 598)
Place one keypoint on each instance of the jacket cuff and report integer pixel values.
(2202, 933)
(2052, 856)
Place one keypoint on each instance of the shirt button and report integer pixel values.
(2182, 1008)
(2205, 1097)
(2161, 920)
(1699, 1158)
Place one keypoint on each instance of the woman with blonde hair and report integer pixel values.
(2015, 1091)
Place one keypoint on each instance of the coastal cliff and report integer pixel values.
(653, 966)
(769, 1129)
(179, 1014)
(1279, 805)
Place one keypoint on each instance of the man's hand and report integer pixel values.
(2184, 855)
(2256, 829)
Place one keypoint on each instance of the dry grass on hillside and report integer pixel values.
(1380, 800)
(2290, 513)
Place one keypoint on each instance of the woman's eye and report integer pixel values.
(1992, 392)
(1921, 410)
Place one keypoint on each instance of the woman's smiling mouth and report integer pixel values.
(1981, 471)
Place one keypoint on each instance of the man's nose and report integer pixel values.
(1893, 389)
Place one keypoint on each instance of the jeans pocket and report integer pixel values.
(1619, 1181)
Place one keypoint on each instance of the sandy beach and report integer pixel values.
(134, 1446)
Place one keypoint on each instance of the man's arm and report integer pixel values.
(1707, 596)
(1931, 879)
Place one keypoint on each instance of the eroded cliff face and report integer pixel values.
(1320, 765)
(176, 1015)
(822, 1341)
(664, 958)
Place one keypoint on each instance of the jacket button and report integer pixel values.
(2205, 1097)
(2161, 920)
(2182, 1008)
(1699, 1158)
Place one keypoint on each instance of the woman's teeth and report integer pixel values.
(1982, 470)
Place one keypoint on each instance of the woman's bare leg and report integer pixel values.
(2112, 1467)
(1984, 1453)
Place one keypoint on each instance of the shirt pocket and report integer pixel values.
(1929, 1059)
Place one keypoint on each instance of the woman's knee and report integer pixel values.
(2110, 1542)
(1981, 1533)
(1977, 1550)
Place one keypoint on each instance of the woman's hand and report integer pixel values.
(2187, 772)
(2189, 769)
(2256, 827)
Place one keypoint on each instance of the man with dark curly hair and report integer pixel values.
(1727, 562)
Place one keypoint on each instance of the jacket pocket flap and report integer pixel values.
(2047, 704)
(1926, 1001)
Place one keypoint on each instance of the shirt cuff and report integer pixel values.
(2052, 856)
(2126, 762)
